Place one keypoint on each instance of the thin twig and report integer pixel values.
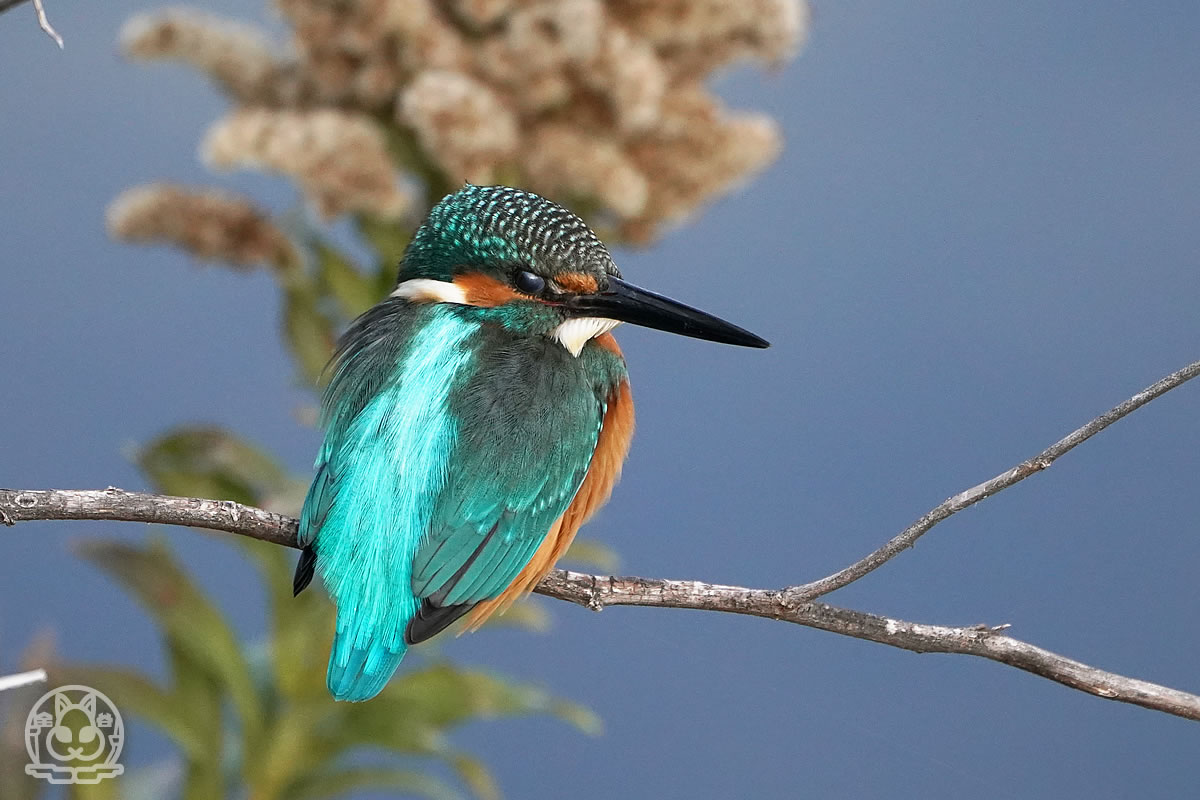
(22, 679)
(951, 506)
(43, 20)
(793, 604)
(44, 23)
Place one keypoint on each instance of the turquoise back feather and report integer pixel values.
(381, 468)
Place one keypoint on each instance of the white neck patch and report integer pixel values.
(578, 331)
(572, 334)
(428, 290)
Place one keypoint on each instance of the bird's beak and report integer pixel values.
(625, 302)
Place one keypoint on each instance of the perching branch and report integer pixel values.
(791, 604)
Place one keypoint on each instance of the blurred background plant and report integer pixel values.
(225, 699)
(375, 110)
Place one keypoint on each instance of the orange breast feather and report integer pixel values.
(611, 447)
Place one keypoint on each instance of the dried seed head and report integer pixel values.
(601, 101)
(698, 151)
(210, 224)
(696, 36)
(563, 161)
(461, 123)
(237, 56)
(339, 158)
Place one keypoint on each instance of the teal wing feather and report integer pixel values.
(383, 463)
(486, 528)
(528, 429)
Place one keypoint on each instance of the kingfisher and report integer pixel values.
(473, 421)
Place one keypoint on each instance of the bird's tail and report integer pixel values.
(363, 659)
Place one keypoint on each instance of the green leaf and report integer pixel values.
(476, 776)
(210, 462)
(380, 723)
(153, 782)
(446, 696)
(407, 151)
(15, 704)
(134, 693)
(580, 716)
(201, 640)
(353, 291)
(198, 696)
(290, 743)
(200, 699)
(300, 626)
(387, 238)
(339, 781)
(308, 332)
(593, 554)
(104, 790)
(213, 463)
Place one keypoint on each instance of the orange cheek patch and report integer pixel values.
(609, 343)
(577, 282)
(484, 291)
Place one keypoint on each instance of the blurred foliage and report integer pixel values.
(255, 719)
(381, 107)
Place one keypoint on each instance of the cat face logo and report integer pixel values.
(74, 734)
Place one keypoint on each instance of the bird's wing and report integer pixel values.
(497, 507)
(382, 465)
(611, 448)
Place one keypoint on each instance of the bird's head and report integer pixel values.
(541, 268)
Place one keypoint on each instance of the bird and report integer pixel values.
(473, 420)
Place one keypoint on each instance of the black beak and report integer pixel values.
(628, 303)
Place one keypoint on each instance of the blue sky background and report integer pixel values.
(982, 233)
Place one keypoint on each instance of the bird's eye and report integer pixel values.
(529, 283)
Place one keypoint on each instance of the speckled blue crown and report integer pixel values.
(497, 228)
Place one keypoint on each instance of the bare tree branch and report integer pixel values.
(983, 641)
(951, 506)
(596, 592)
(792, 604)
(121, 506)
(43, 20)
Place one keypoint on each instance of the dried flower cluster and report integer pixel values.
(211, 224)
(339, 158)
(598, 103)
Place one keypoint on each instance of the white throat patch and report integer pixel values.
(428, 290)
(572, 334)
(575, 333)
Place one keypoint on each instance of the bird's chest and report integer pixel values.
(528, 399)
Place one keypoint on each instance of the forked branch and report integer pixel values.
(792, 604)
